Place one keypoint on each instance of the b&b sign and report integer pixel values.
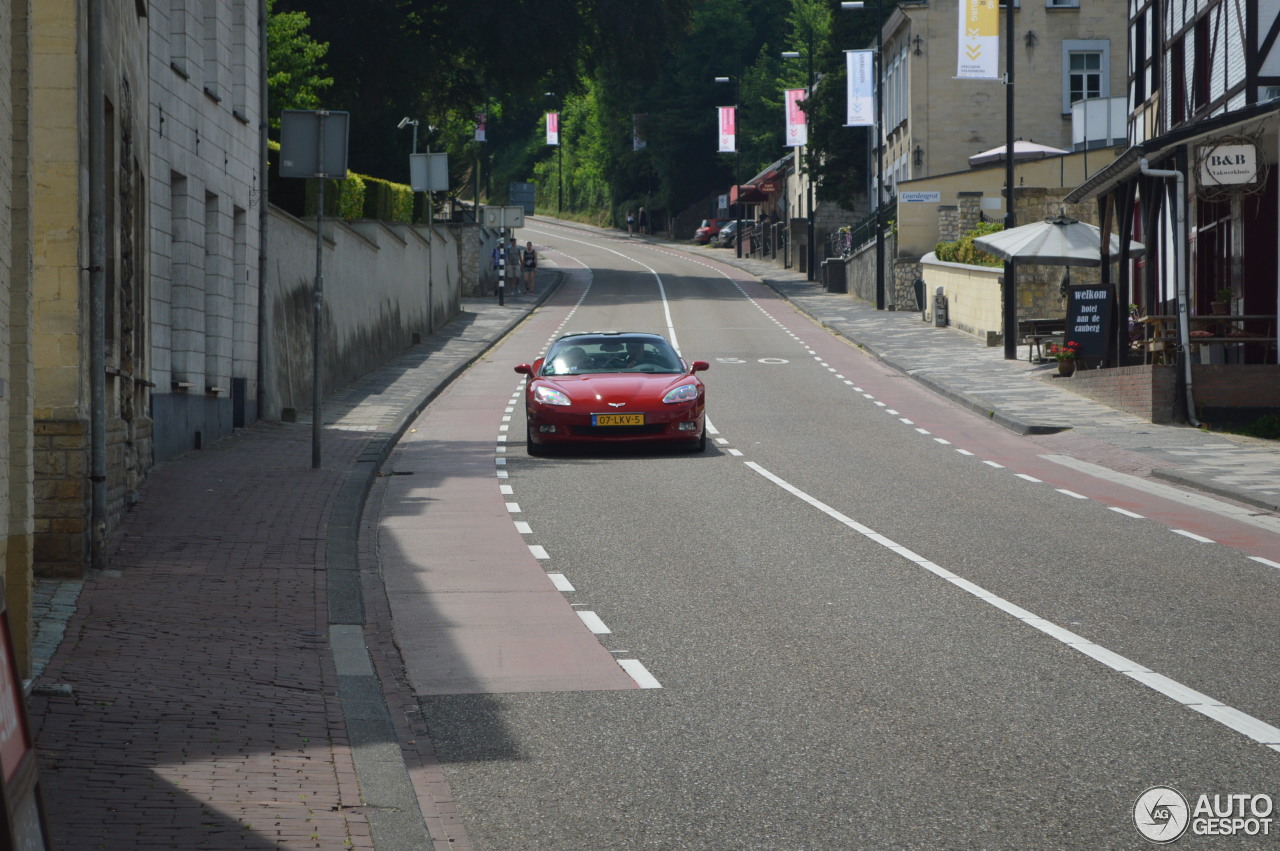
(1228, 164)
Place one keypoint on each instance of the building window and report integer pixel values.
(1086, 70)
(1085, 78)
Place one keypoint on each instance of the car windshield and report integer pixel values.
(591, 354)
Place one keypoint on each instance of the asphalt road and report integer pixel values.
(863, 618)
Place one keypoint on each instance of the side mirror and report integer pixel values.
(699, 366)
(524, 369)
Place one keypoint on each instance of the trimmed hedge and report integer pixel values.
(963, 250)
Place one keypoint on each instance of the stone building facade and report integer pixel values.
(61, 164)
(205, 197)
(933, 122)
(16, 378)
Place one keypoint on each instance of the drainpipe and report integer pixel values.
(1180, 276)
(97, 291)
(264, 215)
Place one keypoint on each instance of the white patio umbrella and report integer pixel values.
(1059, 241)
(1022, 150)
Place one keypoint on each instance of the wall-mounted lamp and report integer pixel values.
(1031, 38)
(918, 157)
(917, 41)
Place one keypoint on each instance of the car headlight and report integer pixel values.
(683, 393)
(549, 396)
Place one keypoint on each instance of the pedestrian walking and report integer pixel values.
(644, 222)
(529, 263)
(631, 223)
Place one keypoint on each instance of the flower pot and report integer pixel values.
(1067, 367)
(1220, 308)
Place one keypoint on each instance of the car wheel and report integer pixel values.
(699, 445)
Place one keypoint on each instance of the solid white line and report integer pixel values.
(639, 673)
(1247, 725)
(593, 622)
(561, 582)
(1193, 536)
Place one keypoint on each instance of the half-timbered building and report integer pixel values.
(1198, 187)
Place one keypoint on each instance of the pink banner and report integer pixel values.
(797, 128)
(728, 129)
(553, 128)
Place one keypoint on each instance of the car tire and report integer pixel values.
(699, 445)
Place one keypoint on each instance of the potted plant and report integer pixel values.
(1065, 355)
(1221, 304)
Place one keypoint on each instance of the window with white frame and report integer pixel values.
(1086, 70)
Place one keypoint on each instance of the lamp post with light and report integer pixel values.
(877, 141)
(737, 159)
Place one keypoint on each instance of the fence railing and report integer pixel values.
(847, 240)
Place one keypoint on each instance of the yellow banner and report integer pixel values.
(978, 54)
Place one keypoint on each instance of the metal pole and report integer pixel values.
(808, 107)
(1009, 290)
(560, 173)
(317, 331)
(880, 285)
(737, 156)
(97, 289)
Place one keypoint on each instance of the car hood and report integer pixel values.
(602, 389)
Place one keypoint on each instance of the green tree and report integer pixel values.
(296, 70)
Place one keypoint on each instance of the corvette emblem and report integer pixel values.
(616, 404)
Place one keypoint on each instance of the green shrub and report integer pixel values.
(1267, 427)
(963, 250)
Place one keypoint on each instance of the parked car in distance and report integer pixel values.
(726, 237)
(610, 388)
(708, 229)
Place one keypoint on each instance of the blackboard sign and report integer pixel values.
(22, 820)
(1090, 314)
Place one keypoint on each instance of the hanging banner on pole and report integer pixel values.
(638, 139)
(728, 129)
(860, 76)
(553, 128)
(481, 119)
(978, 56)
(797, 128)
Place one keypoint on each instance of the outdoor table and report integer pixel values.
(1225, 329)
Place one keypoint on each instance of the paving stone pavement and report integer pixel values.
(218, 686)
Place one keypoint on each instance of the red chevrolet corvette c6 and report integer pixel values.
(613, 388)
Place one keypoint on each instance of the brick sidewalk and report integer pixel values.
(213, 687)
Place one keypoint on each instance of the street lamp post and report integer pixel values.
(877, 141)
(808, 197)
(737, 159)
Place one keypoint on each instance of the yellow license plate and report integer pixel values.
(617, 419)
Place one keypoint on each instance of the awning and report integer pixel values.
(750, 194)
(1126, 166)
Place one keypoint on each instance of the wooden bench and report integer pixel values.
(1036, 332)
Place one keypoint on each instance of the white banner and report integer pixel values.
(861, 88)
(978, 54)
(728, 129)
(553, 128)
(481, 119)
(797, 128)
